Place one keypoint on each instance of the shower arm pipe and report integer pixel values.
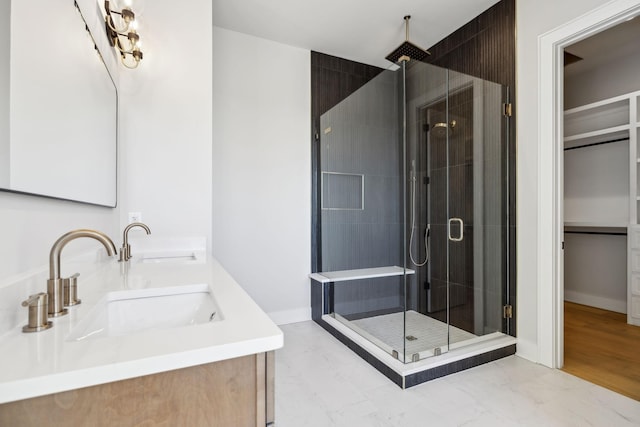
(406, 27)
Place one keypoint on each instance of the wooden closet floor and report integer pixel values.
(600, 347)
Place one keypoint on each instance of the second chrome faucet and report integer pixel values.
(125, 250)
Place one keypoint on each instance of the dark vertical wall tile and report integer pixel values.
(332, 80)
(485, 48)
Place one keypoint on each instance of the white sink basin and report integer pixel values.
(169, 258)
(172, 257)
(133, 311)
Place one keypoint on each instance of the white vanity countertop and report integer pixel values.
(40, 363)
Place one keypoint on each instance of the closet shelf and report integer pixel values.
(612, 132)
(599, 104)
(595, 224)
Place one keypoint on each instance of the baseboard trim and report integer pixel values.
(596, 301)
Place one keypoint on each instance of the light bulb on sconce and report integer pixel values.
(121, 27)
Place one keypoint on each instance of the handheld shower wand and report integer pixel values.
(427, 231)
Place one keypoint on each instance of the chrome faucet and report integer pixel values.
(125, 250)
(55, 288)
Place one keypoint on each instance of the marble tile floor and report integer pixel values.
(320, 382)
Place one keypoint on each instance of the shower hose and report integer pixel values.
(413, 228)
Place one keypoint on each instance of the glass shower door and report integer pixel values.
(460, 125)
(361, 182)
(458, 148)
(427, 312)
(491, 210)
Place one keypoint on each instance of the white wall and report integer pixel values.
(5, 26)
(613, 79)
(595, 271)
(532, 20)
(596, 189)
(262, 170)
(165, 122)
(29, 225)
(596, 184)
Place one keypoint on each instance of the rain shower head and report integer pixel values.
(442, 128)
(407, 50)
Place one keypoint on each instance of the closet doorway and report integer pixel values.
(601, 194)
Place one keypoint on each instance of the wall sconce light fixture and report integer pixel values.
(121, 26)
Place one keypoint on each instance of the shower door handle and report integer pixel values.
(459, 221)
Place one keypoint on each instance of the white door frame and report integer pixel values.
(550, 168)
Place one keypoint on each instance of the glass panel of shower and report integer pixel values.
(414, 210)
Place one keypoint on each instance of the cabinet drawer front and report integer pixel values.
(635, 237)
(635, 260)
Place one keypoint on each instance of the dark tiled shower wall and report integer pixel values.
(456, 164)
(332, 80)
(361, 136)
(485, 47)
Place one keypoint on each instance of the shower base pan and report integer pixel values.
(426, 335)
(369, 338)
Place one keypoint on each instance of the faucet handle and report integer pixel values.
(70, 290)
(38, 312)
(34, 299)
(124, 252)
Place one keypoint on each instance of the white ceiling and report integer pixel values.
(361, 30)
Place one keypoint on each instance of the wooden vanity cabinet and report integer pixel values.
(236, 392)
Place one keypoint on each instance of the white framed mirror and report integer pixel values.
(58, 105)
